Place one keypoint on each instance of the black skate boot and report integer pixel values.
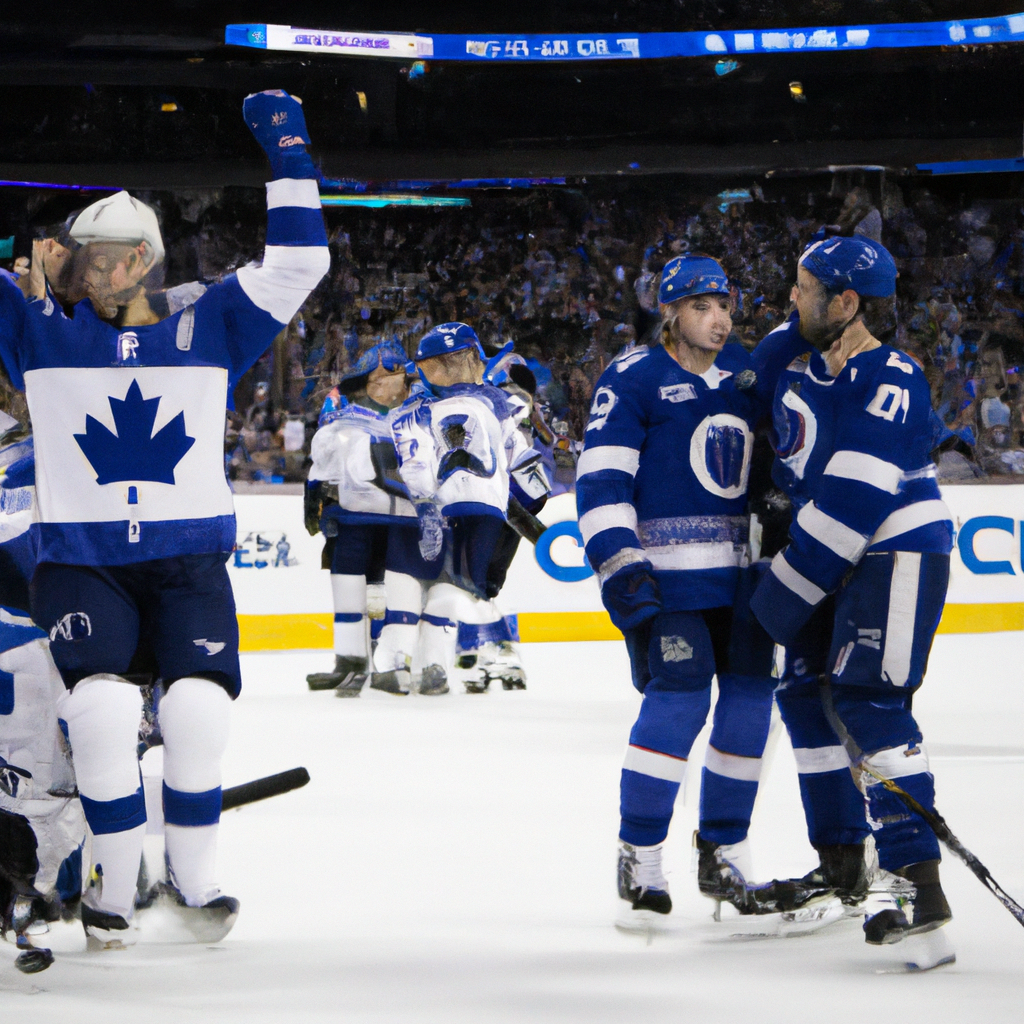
(500, 661)
(843, 869)
(473, 675)
(396, 681)
(642, 886)
(433, 681)
(344, 667)
(105, 931)
(352, 685)
(209, 923)
(928, 908)
(721, 874)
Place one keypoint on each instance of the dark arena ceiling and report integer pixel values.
(149, 95)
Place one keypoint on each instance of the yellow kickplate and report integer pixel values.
(298, 632)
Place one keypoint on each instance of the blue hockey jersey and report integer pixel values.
(129, 423)
(853, 454)
(663, 476)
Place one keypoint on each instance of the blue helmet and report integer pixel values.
(447, 338)
(692, 275)
(388, 354)
(857, 263)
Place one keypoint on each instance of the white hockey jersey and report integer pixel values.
(342, 455)
(457, 448)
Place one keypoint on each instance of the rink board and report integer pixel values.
(284, 597)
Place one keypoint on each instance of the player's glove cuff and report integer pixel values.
(277, 122)
(778, 608)
(631, 596)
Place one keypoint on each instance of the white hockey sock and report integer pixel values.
(116, 857)
(349, 615)
(397, 642)
(439, 627)
(102, 714)
(194, 719)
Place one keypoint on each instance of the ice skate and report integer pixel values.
(776, 908)
(501, 662)
(643, 890)
(395, 681)
(844, 869)
(721, 869)
(107, 932)
(433, 681)
(471, 673)
(206, 924)
(927, 906)
(28, 917)
(345, 667)
(352, 685)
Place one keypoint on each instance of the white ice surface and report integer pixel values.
(453, 860)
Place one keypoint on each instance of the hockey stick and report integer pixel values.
(261, 789)
(858, 762)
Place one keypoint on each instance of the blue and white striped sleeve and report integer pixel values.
(604, 478)
(861, 492)
(296, 255)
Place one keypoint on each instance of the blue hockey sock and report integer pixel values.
(732, 765)
(833, 805)
(901, 836)
(725, 807)
(655, 763)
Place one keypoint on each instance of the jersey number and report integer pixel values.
(888, 401)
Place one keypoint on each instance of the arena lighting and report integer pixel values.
(391, 199)
(351, 185)
(50, 184)
(484, 47)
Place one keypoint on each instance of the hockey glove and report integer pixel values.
(312, 506)
(782, 612)
(631, 596)
(276, 119)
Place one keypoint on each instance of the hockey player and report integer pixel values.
(485, 650)
(346, 502)
(856, 595)
(42, 829)
(661, 492)
(456, 444)
(136, 520)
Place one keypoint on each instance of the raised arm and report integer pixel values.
(296, 256)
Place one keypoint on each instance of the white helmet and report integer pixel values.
(120, 218)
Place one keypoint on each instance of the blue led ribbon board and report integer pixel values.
(484, 48)
(379, 200)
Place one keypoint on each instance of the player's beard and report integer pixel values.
(823, 333)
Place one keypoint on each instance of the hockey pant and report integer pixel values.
(358, 555)
(423, 606)
(871, 640)
(42, 828)
(673, 659)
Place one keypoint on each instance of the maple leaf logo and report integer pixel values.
(134, 452)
